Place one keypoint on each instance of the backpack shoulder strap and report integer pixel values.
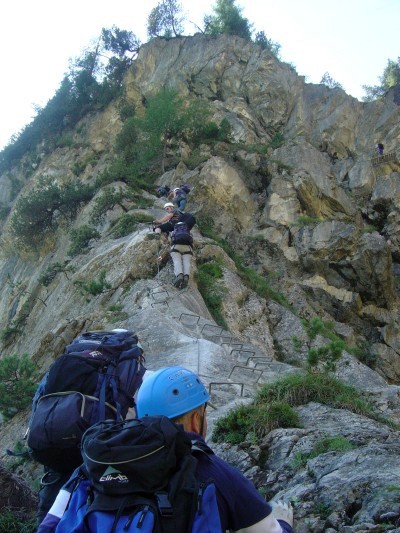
(199, 446)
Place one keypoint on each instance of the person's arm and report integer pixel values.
(280, 520)
(165, 219)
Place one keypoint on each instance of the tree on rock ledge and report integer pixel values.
(165, 20)
(227, 19)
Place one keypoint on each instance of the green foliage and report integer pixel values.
(268, 44)
(128, 224)
(117, 313)
(4, 211)
(300, 389)
(321, 509)
(255, 419)
(18, 381)
(93, 80)
(105, 202)
(330, 82)
(227, 18)
(13, 523)
(277, 140)
(328, 355)
(94, 287)
(328, 444)
(315, 326)
(207, 277)
(389, 78)
(120, 42)
(8, 334)
(80, 239)
(251, 279)
(52, 270)
(165, 20)
(45, 206)
(305, 220)
(369, 228)
(296, 343)
(79, 166)
(162, 120)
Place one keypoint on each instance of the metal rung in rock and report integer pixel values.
(226, 383)
(160, 295)
(383, 159)
(212, 327)
(248, 368)
(264, 358)
(164, 302)
(193, 322)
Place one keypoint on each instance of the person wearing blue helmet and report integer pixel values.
(179, 394)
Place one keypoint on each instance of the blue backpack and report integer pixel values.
(94, 379)
(138, 476)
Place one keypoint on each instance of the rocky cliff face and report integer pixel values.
(314, 215)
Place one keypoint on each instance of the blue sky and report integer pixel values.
(350, 39)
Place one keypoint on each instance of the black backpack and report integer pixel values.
(181, 234)
(163, 190)
(94, 379)
(140, 475)
(185, 188)
(188, 218)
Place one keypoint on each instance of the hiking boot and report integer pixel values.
(185, 281)
(178, 281)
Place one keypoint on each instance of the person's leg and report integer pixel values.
(186, 260)
(182, 204)
(50, 485)
(178, 268)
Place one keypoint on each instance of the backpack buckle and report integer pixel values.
(164, 505)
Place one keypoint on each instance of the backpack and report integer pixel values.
(139, 476)
(163, 190)
(181, 234)
(185, 188)
(188, 218)
(94, 379)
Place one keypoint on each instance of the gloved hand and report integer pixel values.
(282, 511)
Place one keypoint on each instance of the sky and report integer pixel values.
(350, 39)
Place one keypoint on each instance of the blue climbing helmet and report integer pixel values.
(171, 391)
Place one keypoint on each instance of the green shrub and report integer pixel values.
(128, 223)
(52, 270)
(18, 381)
(249, 277)
(9, 333)
(117, 313)
(300, 389)
(207, 277)
(80, 239)
(4, 212)
(326, 355)
(328, 444)
(94, 287)
(45, 206)
(277, 140)
(255, 419)
(273, 408)
(13, 523)
(305, 220)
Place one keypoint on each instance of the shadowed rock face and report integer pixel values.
(297, 199)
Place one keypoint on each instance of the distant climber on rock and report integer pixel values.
(166, 224)
(380, 148)
(179, 198)
(180, 249)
